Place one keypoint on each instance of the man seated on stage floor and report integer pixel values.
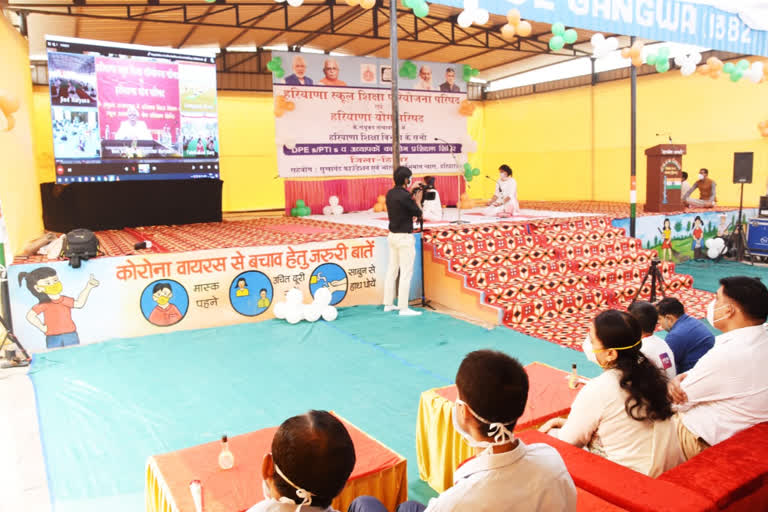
(707, 191)
(688, 337)
(432, 209)
(505, 474)
(727, 391)
(504, 201)
(684, 185)
(402, 207)
(312, 457)
(654, 348)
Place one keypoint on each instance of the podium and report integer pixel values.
(663, 178)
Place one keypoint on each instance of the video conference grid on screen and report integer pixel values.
(129, 112)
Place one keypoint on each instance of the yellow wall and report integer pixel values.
(19, 190)
(548, 139)
(565, 145)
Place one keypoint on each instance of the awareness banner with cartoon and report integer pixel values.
(54, 305)
(684, 234)
(348, 104)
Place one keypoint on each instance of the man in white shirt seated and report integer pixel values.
(684, 185)
(654, 348)
(311, 460)
(431, 209)
(727, 390)
(505, 474)
(504, 201)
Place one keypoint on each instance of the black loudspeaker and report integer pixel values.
(763, 210)
(742, 167)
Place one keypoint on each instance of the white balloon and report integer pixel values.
(326, 210)
(688, 69)
(713, 253)
(330, 313)
(293, 297)
(465, 19)
(597, 39)
(471, 5)
(333, 200)
(708, 243)
(755, 72)
(295, 3)
(280, 310)
(322, 297)
(680, 60)
(294, 314)
(481, 16)
(612, 43)
(337, 210)
(312, 312)
(695, 58)
(718, 243)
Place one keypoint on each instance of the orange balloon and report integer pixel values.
(703, 70)
(367, 4)
(10, 122)
(378, 208)
(279, 111)
(715, 73)
(508, 32)
(524, 29)
(715, 63)
(764, 132)
(9, 103)
(289, 106)
(637, 49)
(637, 61)
(625, 53)
(513, 17)
(353, 2)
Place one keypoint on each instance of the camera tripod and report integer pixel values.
(424, 301)
(656, 278)
(737, 238)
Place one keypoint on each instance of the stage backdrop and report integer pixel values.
(334, 117)
(139, 295)
(687, 232)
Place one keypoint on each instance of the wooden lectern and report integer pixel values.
(663, 178)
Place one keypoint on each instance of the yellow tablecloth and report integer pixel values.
(379, 472)
(440, 450)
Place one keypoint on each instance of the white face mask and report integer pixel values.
(711, 313)
(498, 431)
(586, 346)
(305, 495)
(702, 176)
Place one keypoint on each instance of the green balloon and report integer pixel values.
(729, 67)
(469, 178)
(467, 167)
(271, 65)
(408, 4)
(570, 36)
(468, 173)
(475, 172)
(294, 212)
(651, 59)
(300, 203)
(279, 73)
(736, 76)
(662, 66)
(664, 52)
(742, 65)
(475, 72)
(305, 211)
(556, 43)
(558, 29)
(421, 10)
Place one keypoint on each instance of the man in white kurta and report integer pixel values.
(504, 201)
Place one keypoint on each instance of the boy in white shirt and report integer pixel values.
(311, 460)
(505, 475)
(654, 348)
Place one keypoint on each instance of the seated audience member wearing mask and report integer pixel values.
(431, 209)
(505, 474)
(688, 337)
(624, 414)
(654, 348)
(727, 391)
(311, 460)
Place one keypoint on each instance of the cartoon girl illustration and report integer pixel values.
(55, 308)
(698, 237)
(242, 288)
(666, 244)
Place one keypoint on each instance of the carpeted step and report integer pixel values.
(533, 310)
(462, 264)
(446, 234)
(491, 245)
(581, 237)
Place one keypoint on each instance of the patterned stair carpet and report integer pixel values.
(551, 277)
(258, 231)
(612, 209)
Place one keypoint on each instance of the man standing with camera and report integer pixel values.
(402, 207)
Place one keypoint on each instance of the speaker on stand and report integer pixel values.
(742, 173)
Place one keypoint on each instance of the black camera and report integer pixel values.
(427, 189)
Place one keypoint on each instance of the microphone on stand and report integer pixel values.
(668, 135)
(488, 177)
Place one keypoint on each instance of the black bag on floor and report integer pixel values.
(79, 244)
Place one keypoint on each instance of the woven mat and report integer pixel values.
(614, 209)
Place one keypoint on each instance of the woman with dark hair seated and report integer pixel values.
(624, 414)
